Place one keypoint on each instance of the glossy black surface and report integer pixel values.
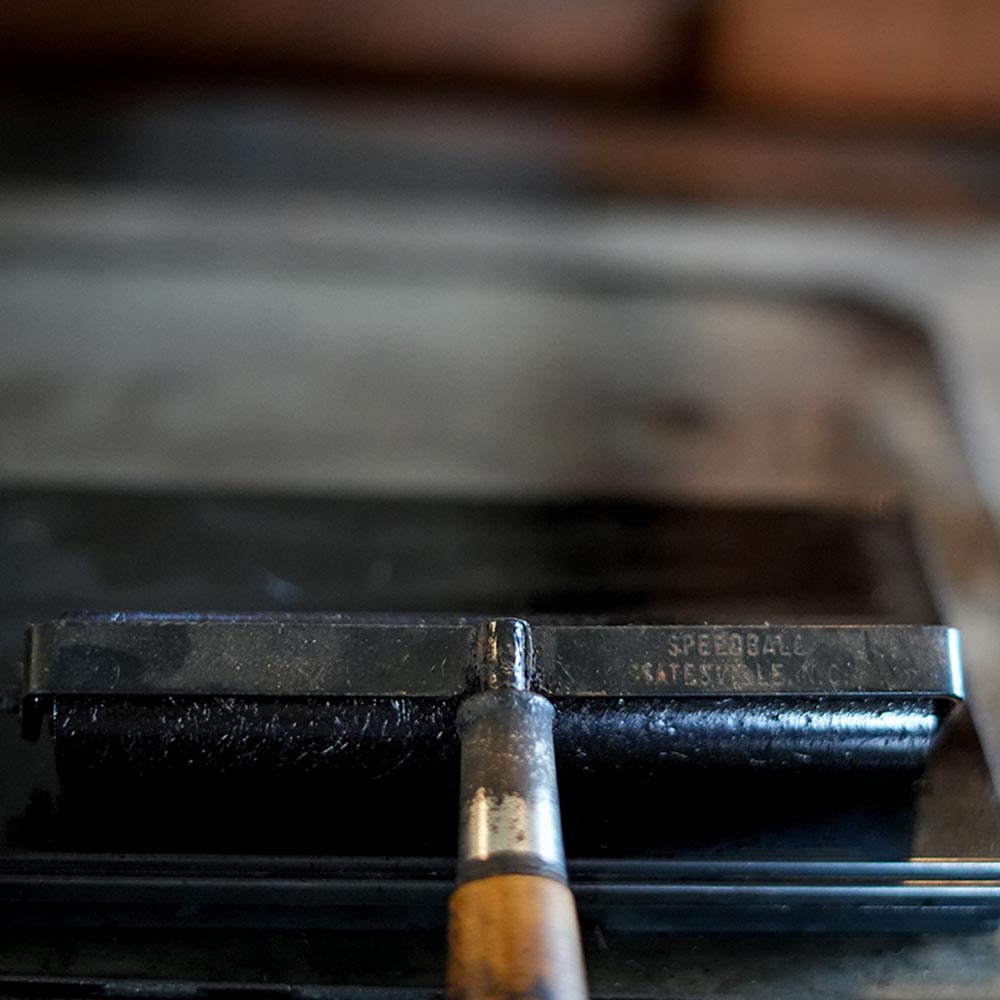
(687, 852)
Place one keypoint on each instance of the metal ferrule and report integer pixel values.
(509, 804)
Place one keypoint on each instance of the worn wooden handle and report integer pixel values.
(514, 936)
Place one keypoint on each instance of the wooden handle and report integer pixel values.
(514, 936)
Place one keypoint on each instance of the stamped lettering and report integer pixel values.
(721, 659)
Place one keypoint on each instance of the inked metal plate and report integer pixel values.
(309, 656)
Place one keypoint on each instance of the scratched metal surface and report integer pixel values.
(303, 656)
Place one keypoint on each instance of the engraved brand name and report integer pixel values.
(735, 644)
(723, 659)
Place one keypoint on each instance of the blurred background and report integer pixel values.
(887, 107)
(710, 253)
(201, 204)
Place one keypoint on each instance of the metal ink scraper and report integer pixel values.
(146, 695)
